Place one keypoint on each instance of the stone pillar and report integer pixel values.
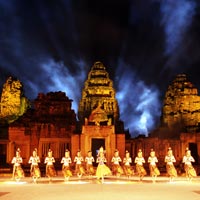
(182, 144)
(75, 145)
(10, 151)
(110, 147)
(198, 146)
(120, 141)
(85, 144)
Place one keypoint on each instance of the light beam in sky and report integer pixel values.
(139, 103)
(176, 17)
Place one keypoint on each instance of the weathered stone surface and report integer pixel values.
(98, 90)
(98, 115)
(54, 106)
(13, 102)
(49, 124)
(181, 105)
(50, 108)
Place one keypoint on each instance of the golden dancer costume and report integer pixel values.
(139, 160)
(127, 165)
(116, 168)
(89, 159)
(34, 170)
(170, 160)
(49, 161)
(152, 160)
(79, 169)
(189, 169)
(66, 161)
(18, 172)
(102, 168)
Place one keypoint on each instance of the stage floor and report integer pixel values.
(88, 188)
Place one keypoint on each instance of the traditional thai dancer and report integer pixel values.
(89, 159)
(128, 171)
(139, 160)
(66, 161)
(116, 167)
(152, 160)
(188, 167)
(79, 169)
(49, 161)
(170, 160)
(34, 170)
(18, 172)
(102, 168)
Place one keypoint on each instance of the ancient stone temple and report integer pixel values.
(99, 114)
(181, 107)
(52, 123)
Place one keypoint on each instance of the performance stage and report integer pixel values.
(88, 188)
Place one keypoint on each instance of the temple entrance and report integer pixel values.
(96, 144)
(2, 154)
(194, 153)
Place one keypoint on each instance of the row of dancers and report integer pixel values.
(84, 166)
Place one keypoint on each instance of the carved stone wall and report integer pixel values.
(159, 145)
(49, 125)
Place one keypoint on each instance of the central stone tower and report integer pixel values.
(98, 113)
(98, 92)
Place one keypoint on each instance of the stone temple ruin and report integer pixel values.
(51, 122)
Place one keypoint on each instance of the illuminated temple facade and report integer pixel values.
(98, 113)
(51, 123)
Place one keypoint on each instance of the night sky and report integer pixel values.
(50, 45)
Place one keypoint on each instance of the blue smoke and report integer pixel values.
(28, 56)
(139, 104)
(177, 16)
(30, 59)
(51, 76)
(59, 78)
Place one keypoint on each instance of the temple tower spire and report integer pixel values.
(98, 91)
(98, 115)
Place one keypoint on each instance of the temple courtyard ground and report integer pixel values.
(91, 189)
